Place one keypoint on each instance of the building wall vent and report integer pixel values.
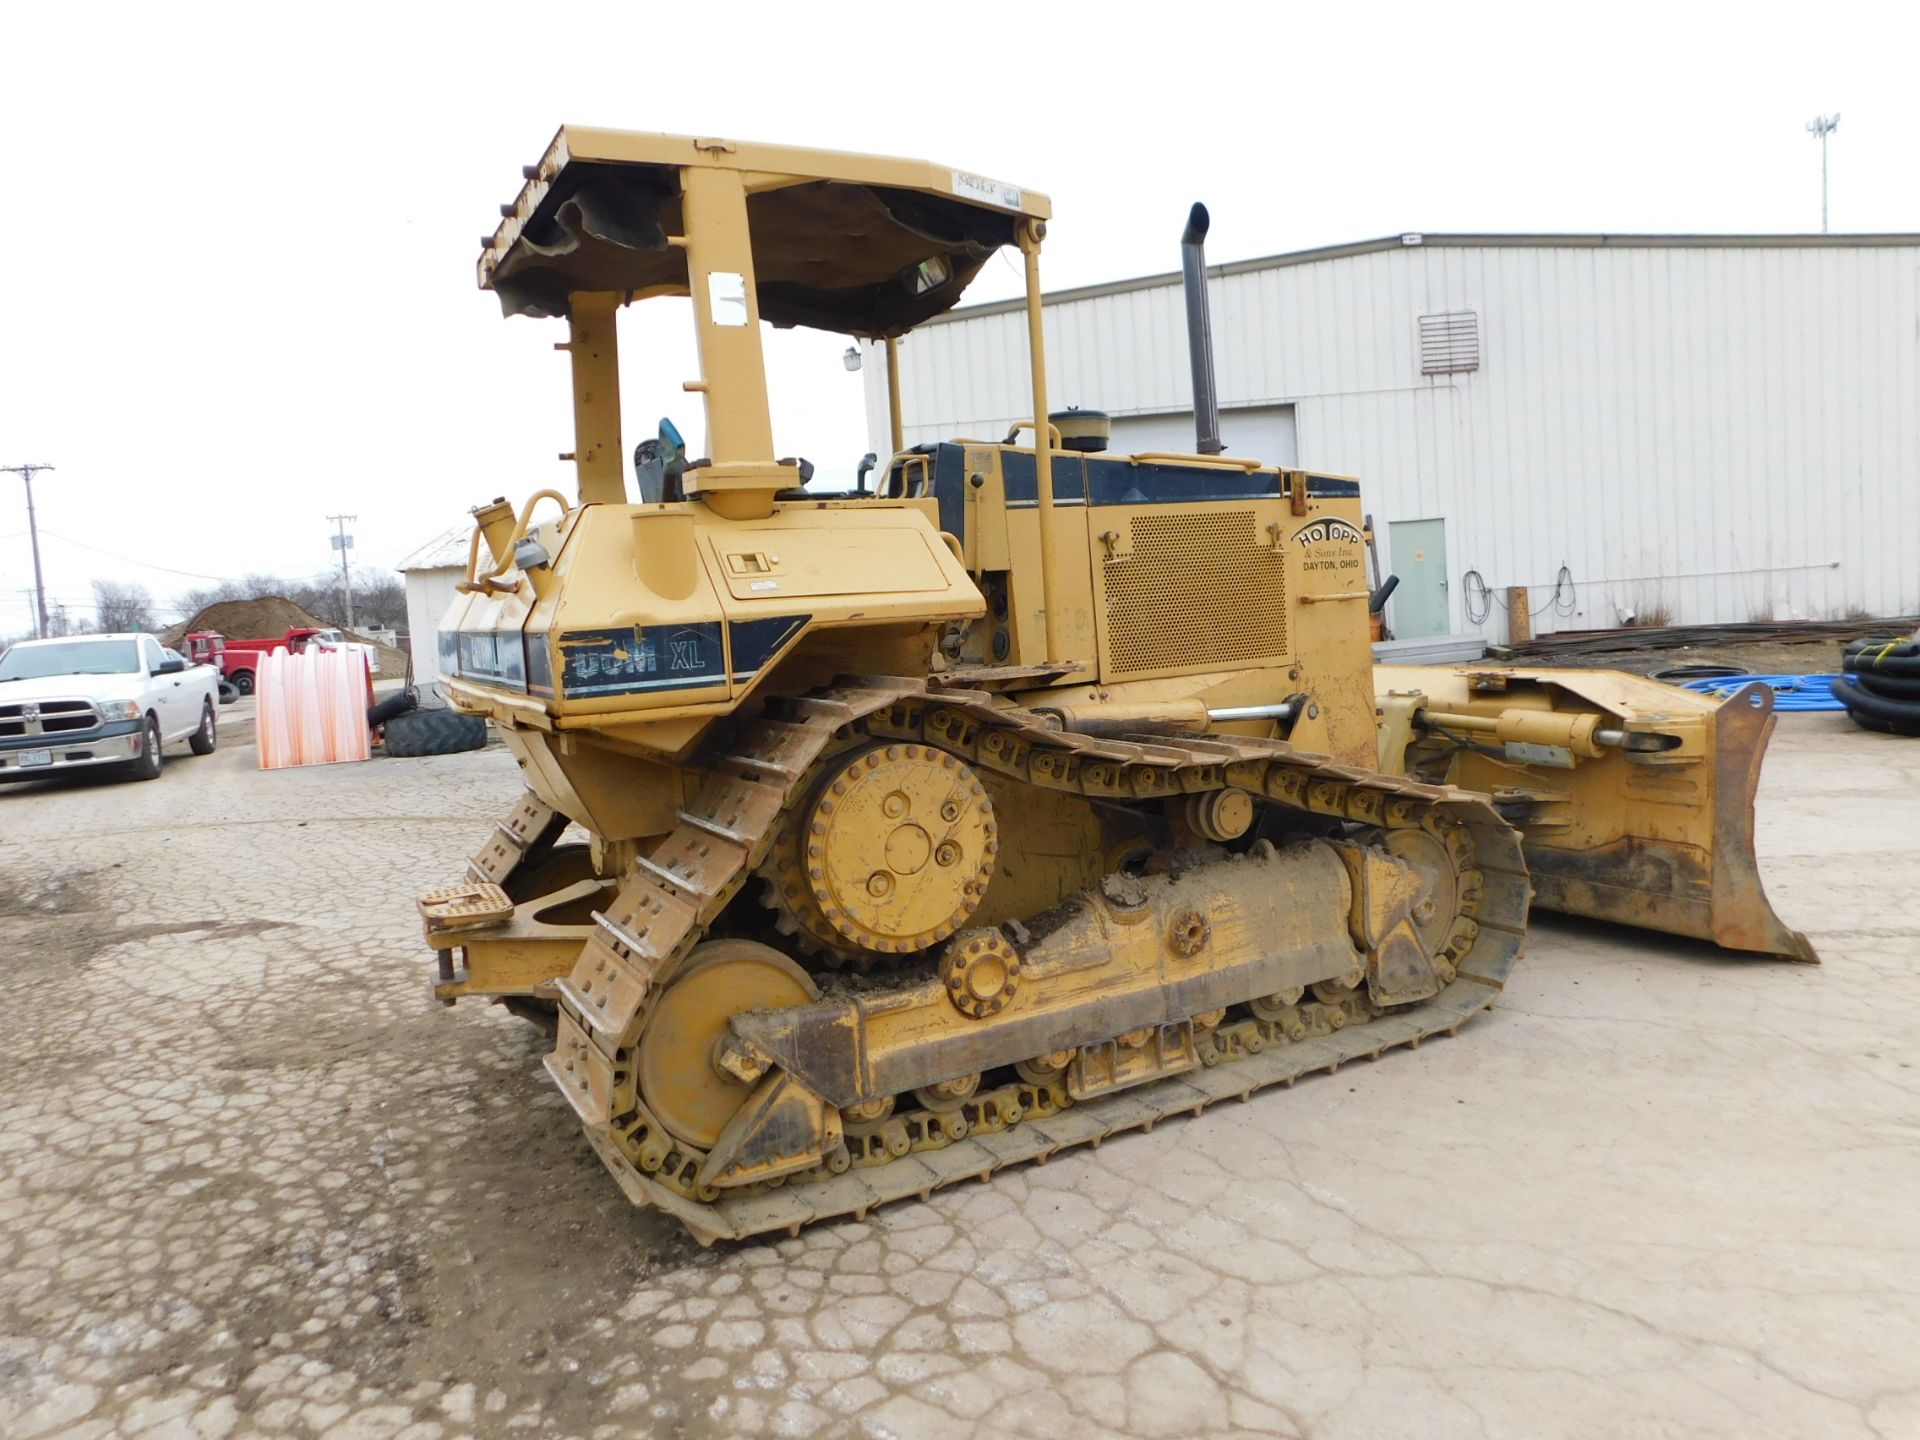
(1449, 344)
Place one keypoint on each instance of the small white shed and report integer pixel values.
(431, 572)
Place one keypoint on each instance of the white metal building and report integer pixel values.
(431, 572)
(1709, 428)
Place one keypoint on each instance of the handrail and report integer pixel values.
(1225, 462)
(916, 489)
(467, 586)
(903, 463)
(1053, 434)
(484, 584)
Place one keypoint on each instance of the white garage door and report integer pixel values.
(1264, 433)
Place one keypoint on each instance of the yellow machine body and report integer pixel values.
(1074, 759)
(1635, 797)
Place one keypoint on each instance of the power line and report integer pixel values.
(143, 564)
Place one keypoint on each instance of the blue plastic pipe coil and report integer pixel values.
(1790, 692)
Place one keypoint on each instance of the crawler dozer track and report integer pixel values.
(907, 1122)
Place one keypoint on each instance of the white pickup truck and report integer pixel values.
(100, 700)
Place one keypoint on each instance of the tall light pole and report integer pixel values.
(343, 542)
(26, 473)
(1823, 126)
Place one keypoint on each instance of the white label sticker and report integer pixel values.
(979, 187)
(727, 297)
(763, 585)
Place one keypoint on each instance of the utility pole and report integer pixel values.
(26, 473)
(1823, 126)
(343, 542)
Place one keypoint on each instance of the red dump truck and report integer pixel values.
(239, 660)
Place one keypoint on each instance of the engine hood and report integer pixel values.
(60, 687)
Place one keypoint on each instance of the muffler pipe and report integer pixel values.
(1193, 268)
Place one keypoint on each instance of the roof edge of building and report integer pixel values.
(447, 550)
(1415, 239)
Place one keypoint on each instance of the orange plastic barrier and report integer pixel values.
(312, 708)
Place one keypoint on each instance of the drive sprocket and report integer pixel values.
(890, 853)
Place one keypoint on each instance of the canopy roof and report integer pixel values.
(839, 240)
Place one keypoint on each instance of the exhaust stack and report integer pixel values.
(1193, 266)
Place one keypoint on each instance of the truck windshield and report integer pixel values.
(70, 657)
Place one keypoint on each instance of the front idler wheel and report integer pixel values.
(679, 1080)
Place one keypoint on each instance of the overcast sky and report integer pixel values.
(237, 246)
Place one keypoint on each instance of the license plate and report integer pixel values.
(31, 758)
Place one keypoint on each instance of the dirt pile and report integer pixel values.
(267, 615)
(243, 620)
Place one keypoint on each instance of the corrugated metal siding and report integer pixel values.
(1722, 432)
(430, 594)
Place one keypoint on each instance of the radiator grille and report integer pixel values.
(50, 717)
(1198, 592)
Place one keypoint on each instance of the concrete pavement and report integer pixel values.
(253, 1183)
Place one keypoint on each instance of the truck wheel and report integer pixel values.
(243, 681)
(432, 732)
(202, 741)
(229, 692)
(146, 765)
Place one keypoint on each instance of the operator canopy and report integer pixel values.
(852, 244)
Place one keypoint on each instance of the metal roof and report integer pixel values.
(1414, 239)
(446, 551)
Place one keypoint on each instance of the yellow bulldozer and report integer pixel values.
(1027, 795)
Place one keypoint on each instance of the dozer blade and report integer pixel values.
(1635, 798)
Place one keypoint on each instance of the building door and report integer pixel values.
(1418, 555)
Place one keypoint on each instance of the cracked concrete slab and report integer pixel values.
(253, 1182)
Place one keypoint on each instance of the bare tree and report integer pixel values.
(252, 587)
(380, 601)
(379, 598)
(122, 605)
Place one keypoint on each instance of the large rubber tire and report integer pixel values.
(243, 681)
(147, 764)
(433, 732)
(203, 740)
(229, 692)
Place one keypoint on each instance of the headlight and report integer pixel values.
(119, 709)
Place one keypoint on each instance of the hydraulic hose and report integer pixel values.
(1861, 701)
(1882, 662)
(399, 703)
(1896, 645)
(1894, 687)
